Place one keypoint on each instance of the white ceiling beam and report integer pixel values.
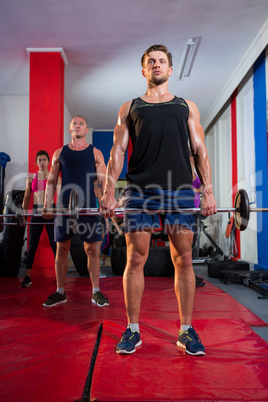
(48, 50)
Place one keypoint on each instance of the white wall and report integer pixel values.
(246, 165)
(223, 177)
(67, 119)
(218, 142)
(14, 117)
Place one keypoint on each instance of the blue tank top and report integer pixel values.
(78, 172)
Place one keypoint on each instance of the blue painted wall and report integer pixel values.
(103, 140)
(260, 132)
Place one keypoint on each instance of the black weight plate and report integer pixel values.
(241, 205)
(19, 216)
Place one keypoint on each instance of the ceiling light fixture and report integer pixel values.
(192, 46)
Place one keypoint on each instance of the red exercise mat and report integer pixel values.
(235, 367)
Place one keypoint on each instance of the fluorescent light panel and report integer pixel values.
(192, 46)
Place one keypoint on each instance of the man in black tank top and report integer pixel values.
(160, 127)
(79, 164)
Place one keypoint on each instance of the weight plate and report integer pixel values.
(19, 216)
(241, 205)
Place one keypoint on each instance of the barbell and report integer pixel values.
(241, 211)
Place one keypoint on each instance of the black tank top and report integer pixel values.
(159, 135)
(78, 172)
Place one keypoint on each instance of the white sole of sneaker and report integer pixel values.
(196, 354)
(182, 346)
(99, 305)
(55, 304)
(125, 352)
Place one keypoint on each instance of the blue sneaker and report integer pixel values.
(191, 342)
(128, 342)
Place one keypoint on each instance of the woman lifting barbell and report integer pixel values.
(36, 185)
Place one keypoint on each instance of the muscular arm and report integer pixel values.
(52, 182)
(116, 161)
(100, 168)
(98, 195)
(202, 164)
(58, 186)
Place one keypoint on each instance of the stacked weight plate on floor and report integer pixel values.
(215, 268)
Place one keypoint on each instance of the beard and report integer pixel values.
(158, 80)
(79, 134)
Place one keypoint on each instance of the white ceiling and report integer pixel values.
(104, 40)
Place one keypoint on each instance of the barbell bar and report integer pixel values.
(241, 211)
(27, 223)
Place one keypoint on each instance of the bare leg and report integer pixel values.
(28, 271)
(102, 236)
(61, 262)
(184, 280)
(133, 279)
(92, 251)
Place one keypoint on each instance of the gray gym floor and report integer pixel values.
(244, 295)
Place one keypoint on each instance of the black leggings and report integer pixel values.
(34, 236)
